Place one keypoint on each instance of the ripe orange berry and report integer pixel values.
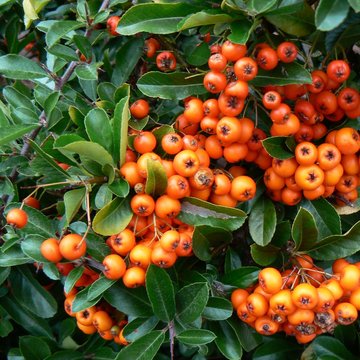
(238, 296)
(17, 217)
(345, 313)
(305, 296)
(49, 249)
(115, 266)
(72, 246)
(102, 321)
(134, 277)
(270, 280)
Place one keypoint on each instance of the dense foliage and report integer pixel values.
(91, 90)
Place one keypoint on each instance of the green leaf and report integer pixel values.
(156, 182)
(119, 187)
(81, 301)
(72, 278)
(283, 74)
(120, 128)
(13, 257)
(241, 31)
(139, 327)
(4, 273)
(30, 294)
(98, 128)
(207, 238)
(50, 102)
(172, 86)
(98, 287)
(355, 4)
(113, 218)
(63, 52)
(198, 55)
(19, 99)
(264, 255)
(133, 302)
(204, 17)
(198, 212)
(153, 18)
(191, 301)
(226, 340)
(304, 231)
(31, 247)
(161, 293)
(262, 221)
(249, 338)
(126, 59)
(34, 348)
(330, 13)
(103, 196)
(87, 71)
(83, 44)
(337, 246)
(66, 355)
(144, 348)
(33, 324)
(276, 147)
(18, 67)
(279, 349)
(72, 201)
(242, 277)
(299, 23)
(59, 29)
(217, 308)
(260, 6)
(326, 218)
(13, 132)
(232, 260)
(194, 337)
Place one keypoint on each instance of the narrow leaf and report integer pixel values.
(18, 67)
(195, 337)
(72, 201)
(13, 132)
(304, 231)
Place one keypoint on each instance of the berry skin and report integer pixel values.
(17, 217)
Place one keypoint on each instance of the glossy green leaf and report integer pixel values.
(156, 181)
(172, 86)
(126, 59)
(63, 52)
(120, 128)
(226, 340)
(13, 257)
(81, 301)
(139, 327)
(51, 271)
(262, 221)
(330, 13)
(249, 338)
(103, 196)
(28, 292)
(355, 4)
(134, 302)
(191, 301)
(161, 293)
(198, 55)
(241, 31)
(4, 273)
(72, 201)
(87, 72)
(232, 260)
(217, 308)
(66, 355)
(113, 218)
(31, 247)
(144, 348)
(98, 128)
(286, 7)
(153, 18)
(326, 218)
(242, 277)
(18, 99)
(119, 187)
(337, 246)
(304, 231)
(198, 212)
(33, 324)
(58, 30)
(264, 255)
(283, 74)
(13, 132)
(34, 348)
(83, 44)
(204, 17)
(21, 68)
(98, 287)
(278, 349)
(195, 337)
(260, 6)
(208, 239)
(72, 278)
(276, 147)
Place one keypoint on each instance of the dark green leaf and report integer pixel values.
(144, 348)
(66, 355)
(241, 31)
(34, 348)
(113, 218)
(83, 44)
(242, 277)
(355, 4)
(260, 6)
(195, 337)
(126, 59)
(304, 231)
(72, 278)
(217, 308)
(198, 212)
(156, 181)
(161, 293)
(58, 29)
(139, 327)
(153, 18)
(50, 102)
(326, 218)
(133, 302)
(18, 99)
(199, 55)
(103, 196)
(81, 301)
(206, 239)
(283, 74)
(4, 273)
(276, 147)
(173, 86)
(226, 340)
(20, 68)
(278, 349)
(98, 287)
(330, 13)
(232, 260)
(13, 257)
(51, 271)
(73, 200)
(31, 247)
(249, 338)
(13, 132)
(191, 301)
(264, 255)
(63, 52)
